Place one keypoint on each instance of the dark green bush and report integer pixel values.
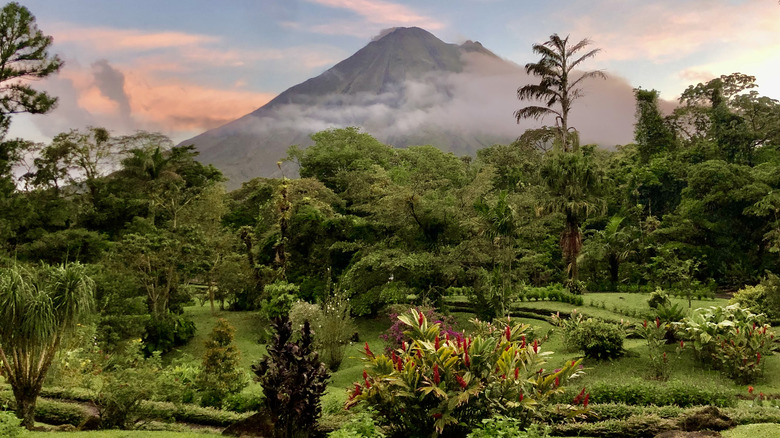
(189, 413)
(598, 339)
(164, 334)
(659, 298)
(50, 411)
(244, 402)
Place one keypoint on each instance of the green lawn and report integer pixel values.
(125, 434)
(765, 430)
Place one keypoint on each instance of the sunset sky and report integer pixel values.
(184, 66)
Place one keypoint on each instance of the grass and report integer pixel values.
(125, 434)
(248, 330)
(763, 430)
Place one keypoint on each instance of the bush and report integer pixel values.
(437, 382)
(301, 312)
(569, 326)
(764, 297)
(641, 393)
(281, 296)
(360, 426)
(166, 333)
(598, 339)
(220, 373)
(732, 339)
(506, 427)
(293, 380)
(659, 298)
(10, 426)
(398, 334)
(245, 401)
(334, 330)
(50, 411)
(655, 335)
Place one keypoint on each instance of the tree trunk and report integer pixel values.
(571, 244)
(614, 270)
(26, 399)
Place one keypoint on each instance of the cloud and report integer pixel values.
(105, 38)
(375, 15)
(668, 30)
(111, 83)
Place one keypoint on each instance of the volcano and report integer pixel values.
(406, 87)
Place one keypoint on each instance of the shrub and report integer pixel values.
(10, 426)
(764, 297)
(642, 393)
(244, 402)
(506, 427)
(569, 326)
(437, 382)
(659, 298)
(280, 297)
(220, 373)
(732, 339)
(293, 380)
(301, 312)
(397, 334)
(166, 333)
(598, 339)
(655, 335)
(362, 425)
(334, 330)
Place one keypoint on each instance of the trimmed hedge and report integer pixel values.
(644, 394)
(51, 411)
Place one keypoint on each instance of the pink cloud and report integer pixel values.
(103, 38)
(377, 12)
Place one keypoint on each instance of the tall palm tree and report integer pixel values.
(556, 88)
(573, 182)
(37, 307)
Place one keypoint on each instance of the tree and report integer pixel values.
(556, 87)
(37, 308)
(24, 56)
(651, 131)
(573, 181)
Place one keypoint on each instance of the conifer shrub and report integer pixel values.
(220, 374)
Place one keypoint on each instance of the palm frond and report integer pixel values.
(533, 112)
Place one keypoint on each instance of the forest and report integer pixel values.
(135, 286)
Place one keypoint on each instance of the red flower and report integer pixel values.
(436, 377)
(657, 322)
(523, 344)
(466, 359)
(557, 381)
(682, 344)
(536, 345)
(521, 396)
(419, 353)
(517, 372)
(365, 375)
(403, 345)
(750, 389)
(420, 319)
(460, 381)
(437, 416)
(758, 357)
(587, 399)
(368, 385)
(368, 350)
(644, 324)
(578, 397)
(436, 343)
(508, 333)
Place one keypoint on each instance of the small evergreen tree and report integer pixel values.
(293, 380)
(220, 373)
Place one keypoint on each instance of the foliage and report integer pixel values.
(501, 426)
(293, 380)
(10, 426)
(598, 339)
(570, 326)
(438, 384)
(643, 393)
(556, 87)
(124, 381)
(654, 333)
(732, 339)
(659, 298)
(397, 333)
(280, 298)
(165, 333)
(334, 329)
(762, 298)
(361, 425)
(220, 374)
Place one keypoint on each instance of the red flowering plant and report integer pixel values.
(654, 332)
(436, 382)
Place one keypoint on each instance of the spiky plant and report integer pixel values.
(37, 308)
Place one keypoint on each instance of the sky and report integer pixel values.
(182, 67)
